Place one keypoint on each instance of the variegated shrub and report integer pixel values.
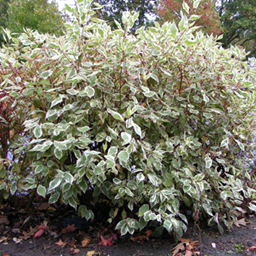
(155, 123)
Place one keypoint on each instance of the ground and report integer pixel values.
(35, 233)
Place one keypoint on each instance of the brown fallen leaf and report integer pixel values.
(177, 248)
(43, 206)
(72, 242)
(184, 245)
(68, 228)
(149, 233)
(61, 243)
(3, 239)
(4, 220)
(29, 234)
(142, 238)
(6, 254)
(86, 241)
(188, 253)
(240, 222)
(74, 251)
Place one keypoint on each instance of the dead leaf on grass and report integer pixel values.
(241, 222)
(61, 243)
(86, 241)
(68, 228)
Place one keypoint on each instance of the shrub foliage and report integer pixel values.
(155, 123)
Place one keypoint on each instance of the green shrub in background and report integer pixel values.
(154, 123)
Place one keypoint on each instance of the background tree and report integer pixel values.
(3, 16)
(3, 12)
(168, 10)
(113, 9)
(238, 20)
(35, 14)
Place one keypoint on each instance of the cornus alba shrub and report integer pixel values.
(155, 123)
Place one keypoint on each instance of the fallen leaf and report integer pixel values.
(68, 228)
(43, 206)
(114, 236)
(74, 251)
(185, 244)
(252, 248)
(149, 233)
(4, 220)
(40, 229)
(16, 240)
(188, 253)
(241, 222)
(189, 247)
(142, 238)
(4, 239)
(177, 248)
(42, 226)
(91, 253)
(72, 242)
(54, 234)
(214, 245)
(16, 230)
(61, 243)
(51, 209)
(105, 242)
(86, 241)
(6, 254)
(39, 233)
(26, 221)
(29, 234)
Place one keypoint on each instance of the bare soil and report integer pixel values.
(13, 225)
